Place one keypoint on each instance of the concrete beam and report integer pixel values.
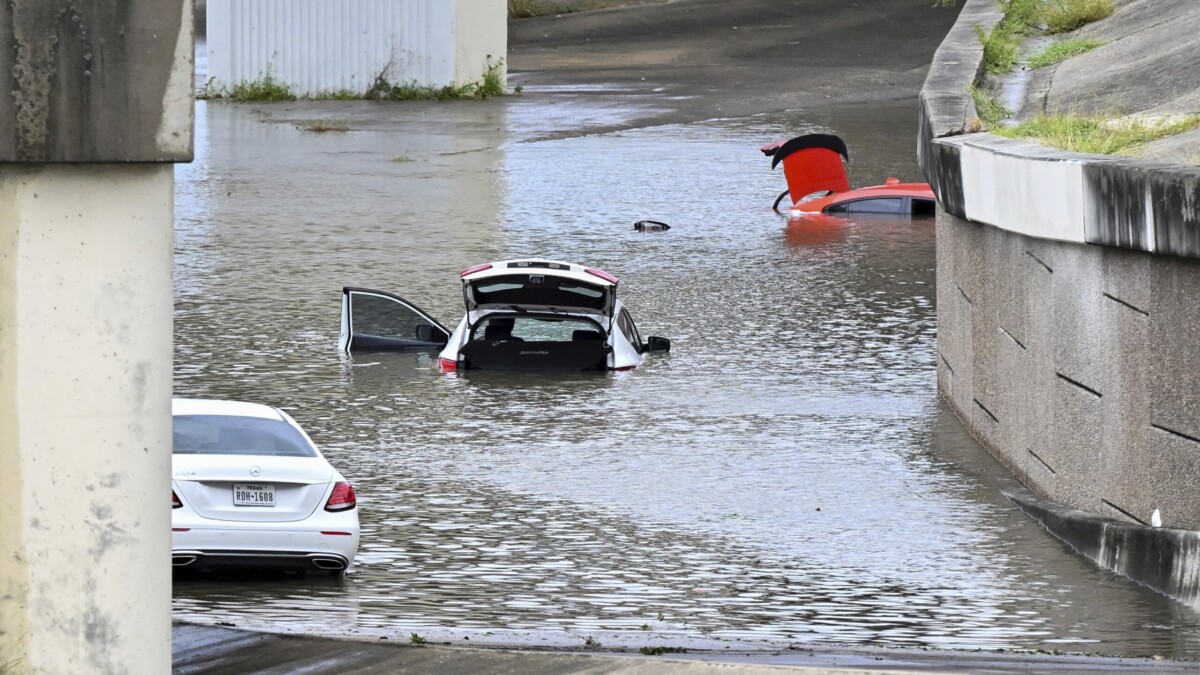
(74, 67)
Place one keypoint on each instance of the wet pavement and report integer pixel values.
(784, 478)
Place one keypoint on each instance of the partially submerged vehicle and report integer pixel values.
(817, 182)
(521, 315)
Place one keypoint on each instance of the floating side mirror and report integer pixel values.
(657, 344)
(425, 333)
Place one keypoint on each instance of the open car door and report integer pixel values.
(375, 321)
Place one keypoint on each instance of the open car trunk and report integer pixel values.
(536, 342)
(563, 356)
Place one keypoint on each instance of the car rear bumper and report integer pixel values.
(333, 562)
(330, 549)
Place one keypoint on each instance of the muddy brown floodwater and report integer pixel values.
(785, 476)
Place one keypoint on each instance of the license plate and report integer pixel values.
(253, 494)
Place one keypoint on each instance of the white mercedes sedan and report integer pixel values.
(250, 489)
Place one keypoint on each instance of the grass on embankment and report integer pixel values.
(990, 111)
(1062, 16)
(1002, 44)
(1063, 50)
(1096, 134)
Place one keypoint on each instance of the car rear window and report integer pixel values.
(538, 289)
(235, 435)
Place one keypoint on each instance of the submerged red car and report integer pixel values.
(817, 183)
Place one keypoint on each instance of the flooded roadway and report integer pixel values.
(785, 476)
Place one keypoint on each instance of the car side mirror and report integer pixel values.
(657, 344)
(424, 333)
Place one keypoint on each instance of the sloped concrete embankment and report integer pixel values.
(1068, 321)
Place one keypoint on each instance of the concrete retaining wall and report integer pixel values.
(1068, 313)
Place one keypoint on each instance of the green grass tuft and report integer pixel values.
(659, 651)
(990, 111)
(338, 95)
(491, 84)
(417, 639)
(1021, 16)
(1096, 134)
(1067, 15)
(1001, 49)
(323, 126)
(265, 89)
(402, 159)
(1063, 50)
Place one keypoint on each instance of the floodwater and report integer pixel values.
(785, 475)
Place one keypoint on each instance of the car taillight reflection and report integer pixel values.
(342, 498)
(175, 503)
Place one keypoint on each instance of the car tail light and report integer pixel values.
(342, 498)
(175, 503)
(602, 274)
(475, 268)
(446, 365)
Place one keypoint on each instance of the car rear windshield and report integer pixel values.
(538, 289)
(235, 435)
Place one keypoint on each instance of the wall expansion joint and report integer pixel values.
(1177, 434)
(1042, 461)
(1079, 384)
(1122, 511)
(1122, 302)
(1014, 339)
(1039, 261)
(948, 366)
(964, 294)
(986, 411)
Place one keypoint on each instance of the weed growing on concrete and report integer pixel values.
(323, 126)
(491, 84)
(265, 89)
(416, 639)
(1067, 15)
(402, 159)
(1002, 44)
(1097, 134)
(591, 643)
(659, 651)
(990, 111)
(1001, 49)
(525, 9)
(338, 95)
(1063, 50)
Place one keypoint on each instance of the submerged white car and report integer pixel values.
(521, 315)
(250, 489)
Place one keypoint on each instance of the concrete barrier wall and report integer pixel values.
(1068, 320)
(318, 46)
(1078, 366)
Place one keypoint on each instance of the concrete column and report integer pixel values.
(99, 106)
(480, 39)
(85, 427)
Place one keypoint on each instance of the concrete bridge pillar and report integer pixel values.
(99, 108)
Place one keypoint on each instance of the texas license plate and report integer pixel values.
(253, 494)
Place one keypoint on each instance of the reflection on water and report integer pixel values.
(785, 474)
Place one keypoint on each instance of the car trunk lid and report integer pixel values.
(252, 487)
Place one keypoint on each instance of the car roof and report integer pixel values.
(197, 406)
(566, 270)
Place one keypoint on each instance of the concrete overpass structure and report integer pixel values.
(1068, 321)
(98, 109)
